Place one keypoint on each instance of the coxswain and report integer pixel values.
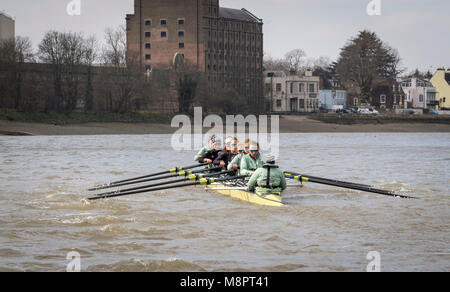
(268, 178)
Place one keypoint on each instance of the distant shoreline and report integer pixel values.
(288, 124)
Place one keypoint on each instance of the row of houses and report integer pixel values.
(305, 94)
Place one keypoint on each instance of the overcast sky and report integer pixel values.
(419, 29)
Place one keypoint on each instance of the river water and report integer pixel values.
(43, 214)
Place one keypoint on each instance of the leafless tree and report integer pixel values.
(90, 56)
(14, 53)
(67, 53)
(275, 64)
(122, 81)
(295, 59)
(114, 51)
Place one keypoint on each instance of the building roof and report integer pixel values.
(236, 14)
(2, 13)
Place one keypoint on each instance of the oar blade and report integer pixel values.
(348, 186)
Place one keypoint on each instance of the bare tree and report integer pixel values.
(51, 51)
(275, 64)
(91, 55)
(295, 59)
(114, 51)
(321, 62)
(123, 80)
(14, 53)
(66, 52)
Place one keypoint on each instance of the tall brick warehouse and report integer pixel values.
(226, 44)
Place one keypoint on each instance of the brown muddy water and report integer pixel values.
(43, 214)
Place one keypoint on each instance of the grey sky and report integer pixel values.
(420, 30)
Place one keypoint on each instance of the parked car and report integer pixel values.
(409, 112)
(368, 111)
(351, 110)
(346, 111)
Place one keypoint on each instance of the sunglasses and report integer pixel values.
(254, 151)
(234, 145)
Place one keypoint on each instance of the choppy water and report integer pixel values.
(43, 215)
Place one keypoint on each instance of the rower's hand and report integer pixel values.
(235, 166)
(209, 161)
(222, 164)
(251, 172)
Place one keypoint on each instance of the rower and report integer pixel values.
(252, 161)
(226, 156)
(212, 154)
(236, 162)
(268, 178)
(205, 149)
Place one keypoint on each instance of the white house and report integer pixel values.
(292, 93)
(419, 93)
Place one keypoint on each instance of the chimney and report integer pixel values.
(292, 72)
(308, 73)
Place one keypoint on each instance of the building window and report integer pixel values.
(278, 103)
(148, 22)
(311, 88)
(163, 34)
(148, 57)
(163, 21)
(355, 101)
(292, 88)
(180, 21)
(421, 98)
(148, 34)
(181, 45)
(302, 87)
(302, 103)
(148, 46)
(181, 33)
(278, 87)
(382, 98)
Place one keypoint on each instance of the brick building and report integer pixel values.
(226, 44)
(387, 94)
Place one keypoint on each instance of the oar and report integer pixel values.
(194, 177)
(327, 179)
(173, 170)
(204, 181)
(184, 173)
(347, 186)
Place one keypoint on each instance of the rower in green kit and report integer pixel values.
(268, 178)
(252, 161)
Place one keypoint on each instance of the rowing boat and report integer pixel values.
(263, 199)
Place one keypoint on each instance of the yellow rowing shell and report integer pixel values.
(273, 200)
